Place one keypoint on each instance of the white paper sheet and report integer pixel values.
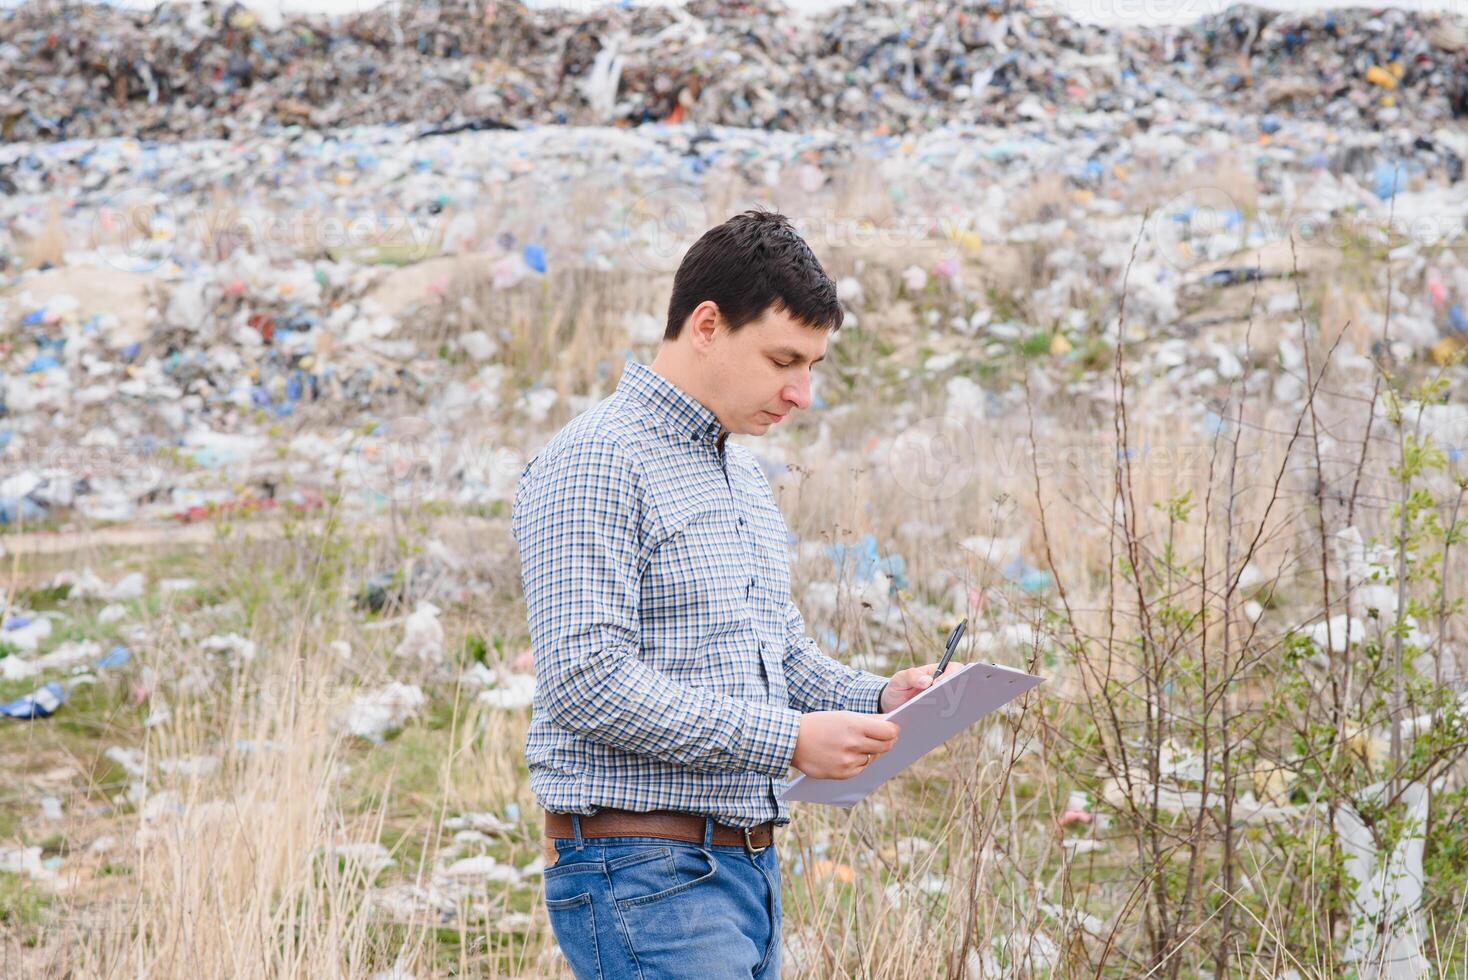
(961, 697)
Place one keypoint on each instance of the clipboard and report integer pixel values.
(959, 699)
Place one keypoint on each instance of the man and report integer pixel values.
(675, 685)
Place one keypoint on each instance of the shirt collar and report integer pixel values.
(685, 416)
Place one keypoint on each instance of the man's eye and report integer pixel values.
(779, 365)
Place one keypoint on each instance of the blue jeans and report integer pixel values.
(646, 908)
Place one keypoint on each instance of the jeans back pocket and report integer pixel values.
(573, 920)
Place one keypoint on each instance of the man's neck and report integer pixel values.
(670, 366)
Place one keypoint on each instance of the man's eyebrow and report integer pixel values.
(796, 355)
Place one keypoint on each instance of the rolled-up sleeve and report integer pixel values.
(818, 683)
(583, 527)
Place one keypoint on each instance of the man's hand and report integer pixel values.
(908, 684)
(840, 744)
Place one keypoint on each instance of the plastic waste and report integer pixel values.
(1386, 919)
(26, 633)
(510, 691)
(861, 561)
(422, 634)
(374, 714)
(40, 703)
(864, 65)
(1028, 577)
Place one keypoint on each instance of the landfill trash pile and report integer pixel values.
(204, 295)
(1382, 67)
(195, 71)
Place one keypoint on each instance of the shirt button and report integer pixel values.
(741, 522)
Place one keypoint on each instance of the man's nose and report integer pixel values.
(798, 393)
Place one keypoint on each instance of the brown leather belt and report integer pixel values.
(668, 824)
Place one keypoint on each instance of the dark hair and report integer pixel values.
(748, 264)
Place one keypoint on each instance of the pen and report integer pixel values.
(951, 646)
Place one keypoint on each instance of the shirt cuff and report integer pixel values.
(767, 738)
(865, 693)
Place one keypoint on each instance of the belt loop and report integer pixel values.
(708, 831)
(576, 826)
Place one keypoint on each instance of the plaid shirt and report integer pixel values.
(671, 664)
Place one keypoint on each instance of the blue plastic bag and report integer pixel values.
(40, 703)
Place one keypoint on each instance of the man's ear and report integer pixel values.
(703, 324)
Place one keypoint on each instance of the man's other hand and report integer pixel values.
(908, 684)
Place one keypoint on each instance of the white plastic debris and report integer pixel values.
(537, 404)
(374, 714)
(995, 551)
(483, 867)
(900, 893)
(398, 972)
(478, 345)
(370, 856)
(192, 766)
(1092, 924)
(478, 675)
(86, 584)
(29, 636)
(1338, 637)
(111, 613)
(16, 668)
(909, 849)
(232, 643)
(486, 823)
(510, 691)
(24, 861)
(1386, 919)
(1250, 576)
(471, 838)
(69, 654)
(965, 398)
(422, 634)
(131, 760)
(513, 922)
(408, 901)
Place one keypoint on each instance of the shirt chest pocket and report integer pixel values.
(699, 566)
(770, 556)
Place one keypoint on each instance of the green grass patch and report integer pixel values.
(22, 905)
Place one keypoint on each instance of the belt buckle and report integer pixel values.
(749, 844)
